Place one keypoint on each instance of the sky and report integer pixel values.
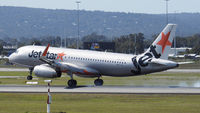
(136, 6)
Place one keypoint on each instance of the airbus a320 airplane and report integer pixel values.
(51, 62)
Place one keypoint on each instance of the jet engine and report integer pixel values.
(46, 71)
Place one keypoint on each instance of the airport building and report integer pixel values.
(177, 51)
(99, 46)
(9, 49)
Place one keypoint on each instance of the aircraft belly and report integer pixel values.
(153, 68)
(113, 70)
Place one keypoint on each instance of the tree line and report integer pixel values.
(131, 43)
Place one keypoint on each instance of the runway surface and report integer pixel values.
(14, 69)
(184, 70)
(101, 90)
(170, 70)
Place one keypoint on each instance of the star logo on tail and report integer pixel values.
(60, 56)
(164, 41)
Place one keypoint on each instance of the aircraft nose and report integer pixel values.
(11, 58)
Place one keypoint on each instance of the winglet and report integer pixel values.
(43, 58)
(46, 50)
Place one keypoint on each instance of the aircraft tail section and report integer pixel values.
(161, 46)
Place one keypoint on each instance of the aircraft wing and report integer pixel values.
(48, 61)
(67, 67)
(185, 62)
(43, 56)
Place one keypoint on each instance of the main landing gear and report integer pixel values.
(71, 83)
(98, 82)
(30, 77)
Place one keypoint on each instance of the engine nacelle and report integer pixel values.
(46, 71)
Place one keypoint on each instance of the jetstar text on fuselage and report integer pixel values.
(36, 54)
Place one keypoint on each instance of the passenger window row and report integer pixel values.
(96, 60)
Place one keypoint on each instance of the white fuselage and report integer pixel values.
(106, 63)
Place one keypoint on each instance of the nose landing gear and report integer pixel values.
(30, 77)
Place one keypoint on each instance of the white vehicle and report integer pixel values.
(51, 62)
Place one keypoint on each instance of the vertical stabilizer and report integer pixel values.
(162, 45)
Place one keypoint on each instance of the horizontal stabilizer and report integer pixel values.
(181, 63)
(156, 61)
(163, 62)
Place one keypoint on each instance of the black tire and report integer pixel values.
(98, 82)
(29, 77)
(75, 83)
(72, 83)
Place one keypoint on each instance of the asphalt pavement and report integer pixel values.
(101, 89)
